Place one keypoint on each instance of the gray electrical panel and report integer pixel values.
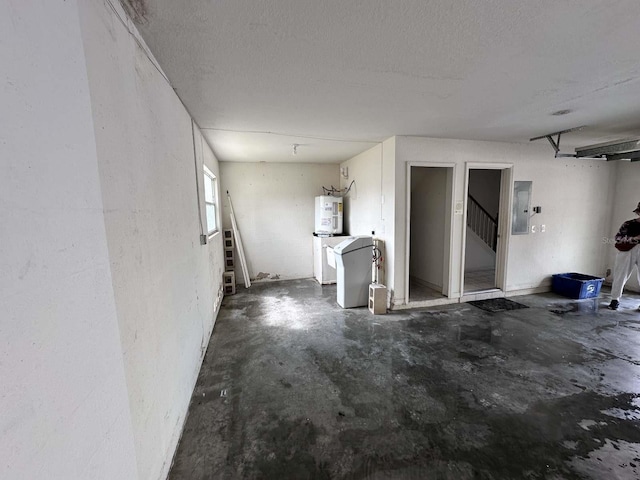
(521, 208)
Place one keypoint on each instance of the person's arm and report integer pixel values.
(633, 231)
(626, 239)
(622, 235)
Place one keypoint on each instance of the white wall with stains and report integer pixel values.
(64, 407)
(274, 204)
(576, 198)
(166, 284)
(371, 204)
(574, 195)
(363, 203)
(626, 197)
(108, 299)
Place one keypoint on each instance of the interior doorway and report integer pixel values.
(430, 214)
(483, 249)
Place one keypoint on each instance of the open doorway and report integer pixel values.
(484, 248)
(430, 212)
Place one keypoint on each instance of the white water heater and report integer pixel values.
(328, 215)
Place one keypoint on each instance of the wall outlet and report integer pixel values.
(543, 228)
(533, 229)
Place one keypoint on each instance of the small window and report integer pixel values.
(210, 201)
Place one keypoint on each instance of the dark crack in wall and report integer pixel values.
(136, 9)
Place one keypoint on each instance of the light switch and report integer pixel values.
(533, 229)
(542, 228)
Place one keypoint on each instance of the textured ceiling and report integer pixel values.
(337, 76)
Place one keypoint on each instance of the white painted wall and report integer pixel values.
(165, 283)
(573, 193)
(373, 205)
(428, 207)
(625, 200)
(478, 255)
(363, 203)
(275, 207)
(64, 410)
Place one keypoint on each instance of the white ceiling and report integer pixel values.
(336, 76)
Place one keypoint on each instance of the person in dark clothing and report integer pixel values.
(627, 258)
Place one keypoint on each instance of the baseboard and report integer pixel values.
(528, 291)
(484, 295)
(424, 283)
(275, 278)
(436, 302)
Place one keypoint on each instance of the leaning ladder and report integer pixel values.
(236, 233)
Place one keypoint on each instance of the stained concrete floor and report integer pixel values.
(294, 387)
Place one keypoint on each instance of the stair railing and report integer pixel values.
(482, 223)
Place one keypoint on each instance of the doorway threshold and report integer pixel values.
(436, 302)
(482, 295)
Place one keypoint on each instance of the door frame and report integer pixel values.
(504, 222)
(447, 286)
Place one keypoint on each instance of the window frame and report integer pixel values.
(209, 176)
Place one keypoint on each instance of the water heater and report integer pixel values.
(328, 215)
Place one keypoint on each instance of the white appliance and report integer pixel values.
(328, 215)
(324, 266)
(354, 257)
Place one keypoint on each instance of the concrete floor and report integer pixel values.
(294, 387)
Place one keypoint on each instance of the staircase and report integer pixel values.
(482, 223)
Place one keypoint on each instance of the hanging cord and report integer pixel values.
(336, 192)
(377, 261)
(377, 257)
